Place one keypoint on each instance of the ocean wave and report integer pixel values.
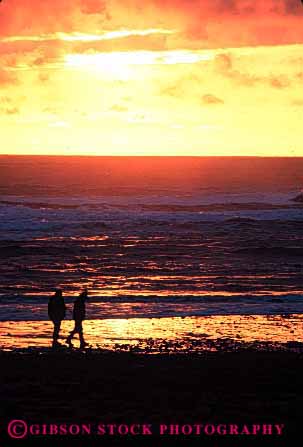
(274, 251)
(29, 308)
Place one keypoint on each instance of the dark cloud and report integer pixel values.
(43, 77)
(293, 7)
(7, 78)
(211, 100)
(250, 80)
(232, 23)
(280, 82)
(297, 102)
(223, 62)
(39, 61)
(14, 54)
(223, 65)
(249, 7)
(12, 111)
(205, 9)
(5, 100)
(9, 110)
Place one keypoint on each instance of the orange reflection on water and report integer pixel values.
(183, 334)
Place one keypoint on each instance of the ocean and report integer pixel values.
(162, 240)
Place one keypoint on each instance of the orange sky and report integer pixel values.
(156, 77)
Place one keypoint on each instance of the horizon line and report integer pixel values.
(149, 156)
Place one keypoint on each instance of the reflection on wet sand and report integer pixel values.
(154, 335)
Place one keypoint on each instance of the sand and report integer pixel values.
(245, 388)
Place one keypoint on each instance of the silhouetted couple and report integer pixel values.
(56, 312)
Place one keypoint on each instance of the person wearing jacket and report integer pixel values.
(56, 313)
(78, 316)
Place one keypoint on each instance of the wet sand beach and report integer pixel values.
(165, 335)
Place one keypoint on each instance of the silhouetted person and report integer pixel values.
(56, 313)
(78, 316)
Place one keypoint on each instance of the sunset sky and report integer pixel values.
(155, 77)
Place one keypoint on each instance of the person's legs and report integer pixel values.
(72, 333)
(57, 326)
(81, 337)
(78, 329)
